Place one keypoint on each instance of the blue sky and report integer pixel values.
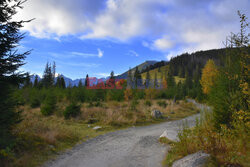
(96, 36)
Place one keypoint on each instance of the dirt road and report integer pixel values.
(133, 147)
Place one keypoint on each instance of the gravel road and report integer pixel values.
(132, 147)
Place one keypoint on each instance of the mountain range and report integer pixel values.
(75, 82)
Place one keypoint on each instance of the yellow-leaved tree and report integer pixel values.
(209, 74)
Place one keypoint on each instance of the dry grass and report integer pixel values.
(40, 138)
(229, 147)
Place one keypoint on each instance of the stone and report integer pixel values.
(156, 114)
(97, 127)
(197, 159)
(164, 134)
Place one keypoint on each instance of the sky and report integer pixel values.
(97, 36)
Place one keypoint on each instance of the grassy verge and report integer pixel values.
(40, 138)
(229, 147)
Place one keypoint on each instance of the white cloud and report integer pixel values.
(100, 53)
(163, 44)
(133, 53)
(193, 24)
(102, 75)
(85, 55)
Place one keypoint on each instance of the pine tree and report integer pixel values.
(80, 83)
(130, 79)
(87, 81)
(170, 80)
(10, 61)
(63, 85)
(147, 82)
(58, 81)
(54, 72)
(112, 78)
(36, 82)
(27, 82)
(48, 79)
(137, 78)
(155, 81)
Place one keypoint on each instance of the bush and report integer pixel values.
(95, 104)
(148, 103)
(133, 104)
(47, 109)
(162, 104)
(49, 105)
(35, 103)
(72, 110)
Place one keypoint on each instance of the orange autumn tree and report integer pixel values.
(209, 74)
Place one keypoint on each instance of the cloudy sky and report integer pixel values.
(97, 36)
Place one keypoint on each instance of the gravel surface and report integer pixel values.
(133, 147)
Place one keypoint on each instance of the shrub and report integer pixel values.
(49, 105)
(47, 109)
(95, 104)
(162, 104)
(133, 104)
(148, 103)
(128, 94)
(72, 110)
(35, 102)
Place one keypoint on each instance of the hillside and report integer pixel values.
(141, 67)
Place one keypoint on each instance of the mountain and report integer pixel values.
(141, 67)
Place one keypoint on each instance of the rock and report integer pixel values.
(156, 114)
(97, 127)
(198, 159)
(164, 134)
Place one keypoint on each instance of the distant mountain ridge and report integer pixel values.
(75, 82)
(141, 67)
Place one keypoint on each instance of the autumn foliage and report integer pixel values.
(209, 74)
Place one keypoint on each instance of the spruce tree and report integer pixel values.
(137, 78)
(10, 61)
(147, 82)
(80, 83)
(112, 78)
(36, 82)
(130, 79)
(48, 76)
(155, 81)
(62, 83)
(87, 81)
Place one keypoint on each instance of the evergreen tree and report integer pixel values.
(188, 80)
(80, 83)
(170, 80)
(36, 82)
(58, 82)
(87, 81)
(10, 61)
(48, 78)
(230, 94)
(27, 82)
(112, 78)
(137, 78)
(147, 82)
(62, 83)
(54, 72)
(130, 79)
(155, 81)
